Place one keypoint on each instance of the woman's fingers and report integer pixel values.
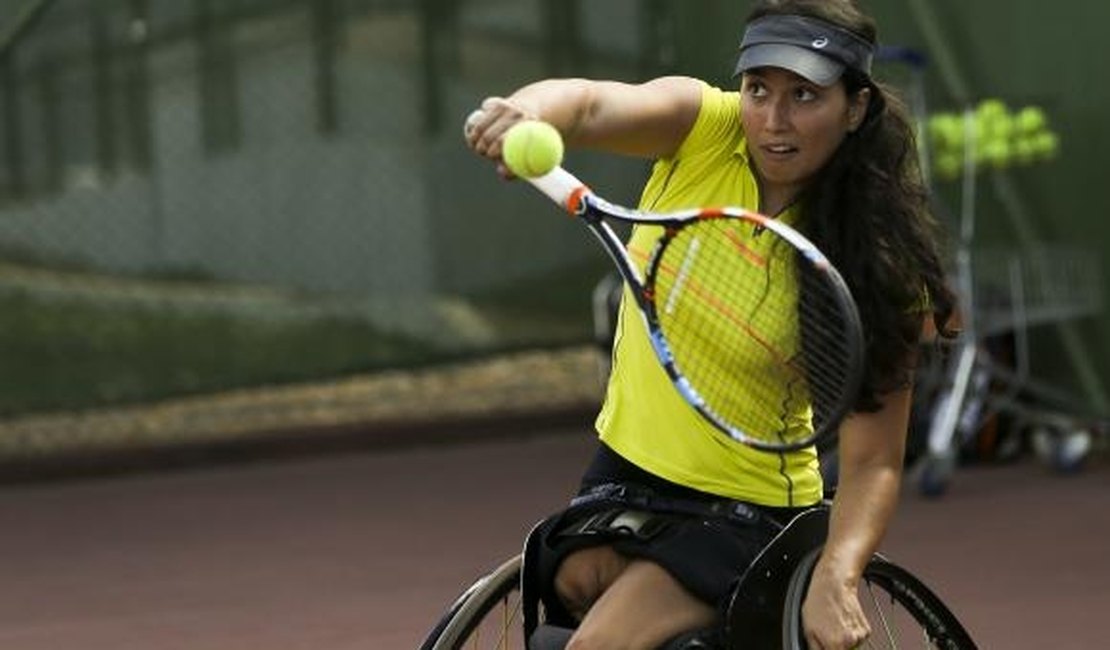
(485, 127)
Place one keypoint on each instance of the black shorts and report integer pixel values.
(705, 541)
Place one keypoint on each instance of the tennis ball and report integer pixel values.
(1046, 145)
(948, 165)
(1001, 127)
(979, 152)
(1024, 150)
(532, 148)
(990, 109)
(997, 152)
(946, 131)
(1030, 119)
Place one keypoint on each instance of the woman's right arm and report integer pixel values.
(648, 120)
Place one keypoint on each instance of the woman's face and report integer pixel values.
(794, 126)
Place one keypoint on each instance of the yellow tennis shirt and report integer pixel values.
(644, 419)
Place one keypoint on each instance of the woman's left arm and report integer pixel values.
(871, 450)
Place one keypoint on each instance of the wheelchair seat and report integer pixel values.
(755, 610)
(500, 609)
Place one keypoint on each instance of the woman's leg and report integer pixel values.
(625, 603)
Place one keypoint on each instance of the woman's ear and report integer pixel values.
(857, 109)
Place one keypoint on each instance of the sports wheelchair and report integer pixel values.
(764, 611)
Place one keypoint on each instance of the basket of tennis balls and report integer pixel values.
(997, 136)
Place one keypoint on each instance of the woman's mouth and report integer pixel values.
(779, 149)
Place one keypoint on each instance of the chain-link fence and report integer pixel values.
(203, 195)
(197, 195)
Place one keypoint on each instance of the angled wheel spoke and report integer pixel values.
(488, 616)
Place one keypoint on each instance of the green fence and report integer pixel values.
(200, 195)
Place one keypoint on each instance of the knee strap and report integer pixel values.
(552, 539)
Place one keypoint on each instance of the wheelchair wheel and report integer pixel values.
(487, 615)
(902, 611)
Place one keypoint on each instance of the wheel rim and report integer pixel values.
(903, 613)
(490, 617)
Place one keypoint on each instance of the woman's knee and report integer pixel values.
(584, 575)
(641, 610)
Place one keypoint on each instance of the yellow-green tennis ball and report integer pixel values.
(981, 127)
(1046, 145)
(1030, 119)
(948, 165)
(946, 131)
(998, 152)
(1024, 151)
(532, 148)
(979, 152)
(992, 108)
(1001, 127)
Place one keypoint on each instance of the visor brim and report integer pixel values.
(817, 68)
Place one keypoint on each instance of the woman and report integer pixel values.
(811, 138)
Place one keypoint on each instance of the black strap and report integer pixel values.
(638, 497)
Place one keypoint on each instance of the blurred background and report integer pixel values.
(222, 219)
(236, 228)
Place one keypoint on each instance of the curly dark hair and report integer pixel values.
(868, 211)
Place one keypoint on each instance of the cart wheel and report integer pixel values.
(1063, 449)
(935, 474)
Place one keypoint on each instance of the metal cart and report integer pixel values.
(1010, 291)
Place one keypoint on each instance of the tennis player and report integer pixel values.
(809, 137)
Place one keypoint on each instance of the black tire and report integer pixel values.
(469, 617)
(903, 612)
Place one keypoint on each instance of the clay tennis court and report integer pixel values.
(363, 550)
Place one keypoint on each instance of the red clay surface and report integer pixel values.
(365, 550)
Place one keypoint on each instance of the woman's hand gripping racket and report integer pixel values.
(741, 309)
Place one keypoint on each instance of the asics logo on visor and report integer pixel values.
(820, 43)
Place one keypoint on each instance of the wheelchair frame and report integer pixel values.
(765, 608)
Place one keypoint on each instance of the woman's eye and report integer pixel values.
(805, 94)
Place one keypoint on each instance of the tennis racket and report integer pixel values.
(741, 309)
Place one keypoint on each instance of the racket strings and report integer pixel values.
(757, 330)
(720, 323)
(828, 348)
(825, 324)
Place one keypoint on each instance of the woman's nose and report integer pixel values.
(778, 116)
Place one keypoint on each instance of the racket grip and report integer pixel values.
(562, 187)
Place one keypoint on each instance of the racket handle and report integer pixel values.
(562, 187)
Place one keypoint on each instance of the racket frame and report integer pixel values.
(575, 197)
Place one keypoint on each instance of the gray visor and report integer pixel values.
(812, 48)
